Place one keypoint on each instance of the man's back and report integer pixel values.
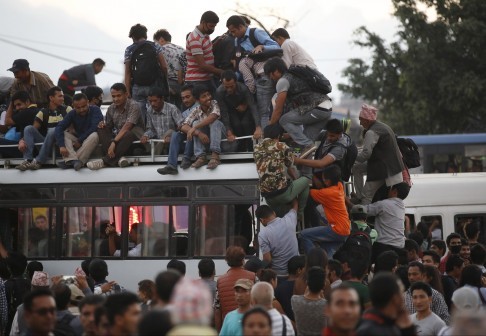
(389, 221)
(278, 326)
(294, 54)
(225, 288)
(278, 238)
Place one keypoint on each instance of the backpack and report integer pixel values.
(347, 162)
(410, 153)
(145, 64)
(223, 51)
(358, 244)
(63, 327)
(316, 80)
(265, 54)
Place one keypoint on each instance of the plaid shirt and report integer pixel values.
(37, 88)
(199, 115)
(116, 117)
(439, 306)
(3, 307)
(162, 123)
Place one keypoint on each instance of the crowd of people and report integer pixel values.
(404, 292)
(331, 263)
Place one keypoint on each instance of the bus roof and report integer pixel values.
(145, 173)
(448, 139)
(447, 189)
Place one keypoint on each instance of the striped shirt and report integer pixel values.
(277, 323)
(198, 43)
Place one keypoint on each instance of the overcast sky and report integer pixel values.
(80, 31)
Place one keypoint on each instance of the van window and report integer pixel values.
(434, 223)
(464, 223)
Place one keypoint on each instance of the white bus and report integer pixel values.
(450, 199)
(58, 216)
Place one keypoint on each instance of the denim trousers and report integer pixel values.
(46, 149)
(313, 122)
(31, 136)
(325, 236)
(216, 131)
(264, 93)
(176, 142)
(140, 94)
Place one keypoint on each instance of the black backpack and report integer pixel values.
(316, 80)
(63, 327)
(358, 244)
(224, 51)
(145, 64)
(347, 162)
(410, 153)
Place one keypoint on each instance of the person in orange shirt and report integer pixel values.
(331, 197)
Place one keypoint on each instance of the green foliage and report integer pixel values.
(432, 79)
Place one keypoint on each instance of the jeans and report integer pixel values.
(313, 121)
(329, 240)
(31, 136)
(140, 94)
(264, 93)
(216, 131)
(46, 149)
(176, 142)
(297, 189)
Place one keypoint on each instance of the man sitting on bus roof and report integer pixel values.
(162, 119)
(177, 139)
(123, 125)
(76, 146)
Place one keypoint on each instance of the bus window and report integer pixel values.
(84, 225)
(464, 223)
(162, 230)
(32, 236)
(219, 226)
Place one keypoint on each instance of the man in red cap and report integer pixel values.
(380, 158)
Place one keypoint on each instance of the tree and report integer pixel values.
(432, 79)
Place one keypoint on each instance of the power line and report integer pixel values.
(52, 55)
(59, 45)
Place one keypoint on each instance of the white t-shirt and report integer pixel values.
(429, 326)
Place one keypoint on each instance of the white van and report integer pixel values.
(452, 199)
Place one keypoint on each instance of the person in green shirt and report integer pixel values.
(358, 216)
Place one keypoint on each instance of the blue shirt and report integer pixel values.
(261, 36)
(83, 125)
(232, 324)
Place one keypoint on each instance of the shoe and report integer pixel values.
(168, 170)
(34, 165)
(65, 164)
(123, 162)
(214, 162)
(95, 165)
(307, 151)
(186, 163)
(201, 161)
(25, 165)
(77, 165)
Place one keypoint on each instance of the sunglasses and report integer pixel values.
(45, 311)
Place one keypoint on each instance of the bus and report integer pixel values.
(451, 153)
(449, 200)
(60, 217)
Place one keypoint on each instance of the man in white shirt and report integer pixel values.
(134, 237)
(426, 322)
(293, 54)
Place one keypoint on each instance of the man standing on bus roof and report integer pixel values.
(122, 127)
(76, 147)
(379, 159)
(80, 76)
